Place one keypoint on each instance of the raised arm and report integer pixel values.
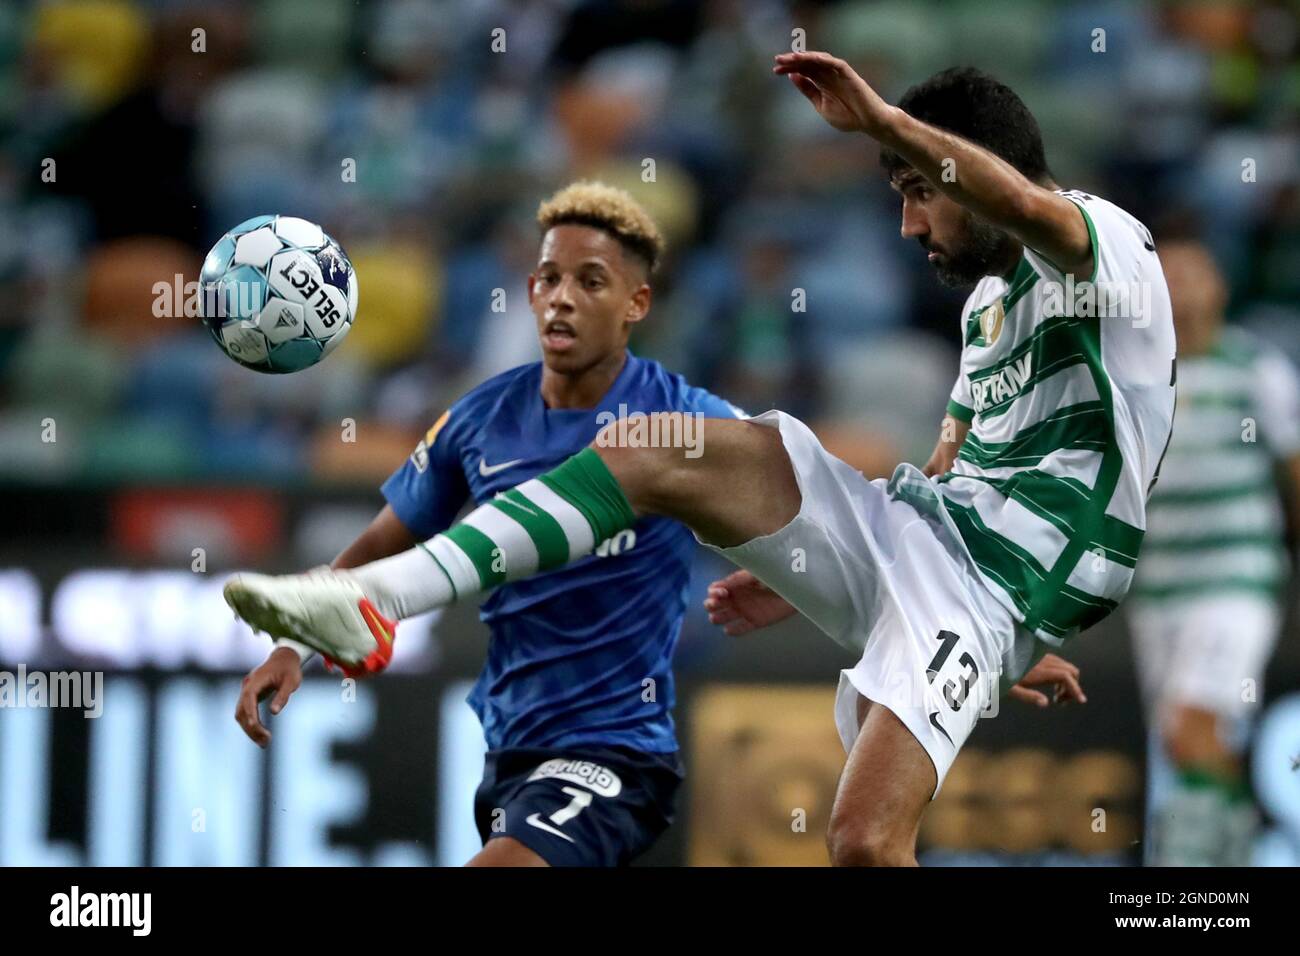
(968, 174)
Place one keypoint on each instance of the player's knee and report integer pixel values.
(862, 843)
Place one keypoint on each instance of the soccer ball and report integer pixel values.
(278, 294)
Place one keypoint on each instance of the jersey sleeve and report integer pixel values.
(1117, 239)
(961, 405)
(428, 490)
(1276, 388)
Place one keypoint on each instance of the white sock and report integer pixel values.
(405, 584)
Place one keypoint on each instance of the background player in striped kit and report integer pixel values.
(1205, 605)
(950, 584)
(576, 695)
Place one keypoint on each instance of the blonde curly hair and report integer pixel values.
(590, 203)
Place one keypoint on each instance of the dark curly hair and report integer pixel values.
(977, 107)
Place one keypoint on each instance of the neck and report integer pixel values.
(582, 389)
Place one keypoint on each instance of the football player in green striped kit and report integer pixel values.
(951, 582)
(1205, 605)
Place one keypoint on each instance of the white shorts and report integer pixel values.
(890, 583)
(1209, 652)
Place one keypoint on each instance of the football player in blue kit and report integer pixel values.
(575, 697)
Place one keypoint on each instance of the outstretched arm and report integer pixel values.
(970, 175)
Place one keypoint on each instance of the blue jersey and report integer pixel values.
(581, 654)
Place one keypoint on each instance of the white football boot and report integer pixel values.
(326, 610)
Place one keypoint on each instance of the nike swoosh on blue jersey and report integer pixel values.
(487, 471)
(535, 820)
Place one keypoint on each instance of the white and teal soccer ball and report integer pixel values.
(278, 294)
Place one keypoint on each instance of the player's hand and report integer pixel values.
(835, 90)
(952, 433)
(741, 603)
(1060, 674)
(279, 674)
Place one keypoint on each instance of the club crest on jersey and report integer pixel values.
(991, 321)
(603, 781)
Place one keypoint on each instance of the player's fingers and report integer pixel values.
(1060, 664)
(1069, 689)
(719, 606)
(1028, 696)
(286, 688)
(724, 616)
(806, 86)
(824, 71)
(246, 714)
(1056, 675)
(738, 627)
(252, 727)
(807, 60)
(736, 579)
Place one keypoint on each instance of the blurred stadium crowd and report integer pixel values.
(162, 138)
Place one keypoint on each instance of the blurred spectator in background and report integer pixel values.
(134, 133)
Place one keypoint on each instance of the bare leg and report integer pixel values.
(740, 487)
(886, 785)
(505, 851)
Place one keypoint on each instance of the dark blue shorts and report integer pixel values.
(583, 806)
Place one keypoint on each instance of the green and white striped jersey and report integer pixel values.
(1215, 521)
(1068, 386)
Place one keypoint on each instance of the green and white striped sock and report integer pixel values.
(542, 524)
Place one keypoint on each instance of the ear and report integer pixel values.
(532, 279)
(639, 304)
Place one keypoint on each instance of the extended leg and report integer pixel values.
(739, 486)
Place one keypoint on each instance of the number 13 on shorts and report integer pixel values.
(962, 677)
